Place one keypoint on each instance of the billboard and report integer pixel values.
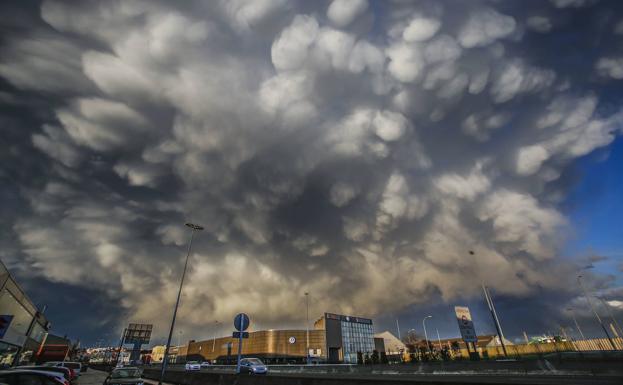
(466, 325)
(138, 334)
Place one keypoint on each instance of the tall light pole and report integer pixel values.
(307, 326)
(438, 339)
(193, 228)
(496, 321)
(214, 339)
(595, 312)
(614, 320)
(426, 334)
(575, 321)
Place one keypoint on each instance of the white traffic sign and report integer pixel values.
(466, 325)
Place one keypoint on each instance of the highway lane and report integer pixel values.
(463, 378)
(92, 377)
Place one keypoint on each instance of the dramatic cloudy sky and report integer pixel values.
(354, 149)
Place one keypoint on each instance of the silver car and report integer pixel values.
(252, 366)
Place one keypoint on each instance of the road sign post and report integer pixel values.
(241, 323)
(467, 329)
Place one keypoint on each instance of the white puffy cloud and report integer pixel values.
(530, 159)
(610, 67)
(43, 64)
(518, 218)
(290, 50)
(421, 29)
(516, 78)
(485, 26)
(247, 14)
(343, 12)
(101, 124)
(405, 62)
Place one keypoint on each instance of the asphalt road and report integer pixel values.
(465, 378)
(92, 377)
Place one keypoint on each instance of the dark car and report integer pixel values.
(31, 377)
(124, 376)
(252, 366)
(66, 372)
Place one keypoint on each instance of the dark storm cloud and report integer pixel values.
(344, 148)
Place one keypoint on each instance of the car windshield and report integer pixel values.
(125, 373)
(192, 362)
(255, 361)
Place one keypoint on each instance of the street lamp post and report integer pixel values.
(214, 339)
(575, 321)
(193, 228)
(614, 320)
(426, 334)
(595, 312)
(307, 327)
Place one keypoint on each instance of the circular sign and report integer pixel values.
(241, 322)
(292, 340)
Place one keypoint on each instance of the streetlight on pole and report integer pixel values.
(426, 334)
(595, 312)
(575, 321)
(193, 228)
(214, 339)
(614, 320)
(307, 327)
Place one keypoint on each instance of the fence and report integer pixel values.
(591, 345)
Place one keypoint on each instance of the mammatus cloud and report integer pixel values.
(331, 148)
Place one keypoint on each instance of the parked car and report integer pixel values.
(124, 376)
(205, 364)
(252, 366)
(76, 367)
(192, 365)
(66, 372)
(32, 377)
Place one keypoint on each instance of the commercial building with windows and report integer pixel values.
(28, 328)
(347, 337)
(335, 338)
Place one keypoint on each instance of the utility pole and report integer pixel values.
(398, 327)
(607, 306)
(438, 339)
(595, 312)
(214, 339)
(307, 327)
(494, 314)
(575, 321)
(426, 334)
(193, 228)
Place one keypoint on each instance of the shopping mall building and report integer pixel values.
(27, 326)
(335, 338)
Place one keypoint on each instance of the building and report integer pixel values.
(157, 352)
(272, 346)
(347, 337)
(335, 338)
(28, 327)
(393, 346)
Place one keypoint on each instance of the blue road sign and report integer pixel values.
(241, 322)
(244, 335)
(5, 321)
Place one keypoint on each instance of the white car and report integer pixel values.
(205, 364)
(192, 365)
